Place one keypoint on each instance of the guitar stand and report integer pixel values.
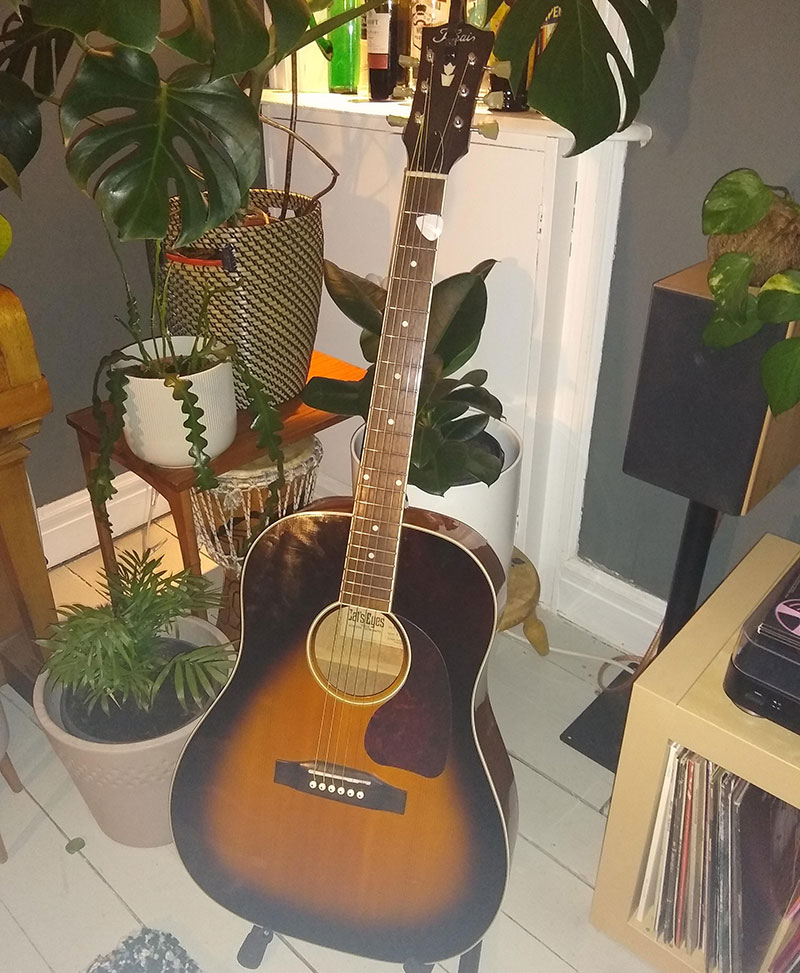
(251, 954)
(469, 962)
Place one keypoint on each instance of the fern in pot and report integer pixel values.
(465, 460)
(122, 687)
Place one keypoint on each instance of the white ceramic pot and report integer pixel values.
(125, 785)
(490, 510)
(154, 428)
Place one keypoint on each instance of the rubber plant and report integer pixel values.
(449, 444)
(754, 278)
(583, 79)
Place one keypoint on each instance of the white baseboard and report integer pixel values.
(67, 525)
(612, 609)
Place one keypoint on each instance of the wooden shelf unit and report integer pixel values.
(680, 697)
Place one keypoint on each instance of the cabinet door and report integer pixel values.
(491, 211)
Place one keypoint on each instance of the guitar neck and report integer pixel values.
(371, 558)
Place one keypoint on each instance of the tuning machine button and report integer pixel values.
(489, 130)
(408, 62)
(402, 91)
(500, 69)
(397, 121)
(494, 100)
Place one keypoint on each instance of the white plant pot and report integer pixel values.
(154, 428)
(126, 786)
(490, 510)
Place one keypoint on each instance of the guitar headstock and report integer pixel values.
(452, 62)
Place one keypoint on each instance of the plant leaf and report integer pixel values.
(478, 398)
(573, 83)
(458, 313)
(334, 395)
(481, 463)
(5, 236)
(356, 297)
(9, 176)
(290, 19)
(241, 40)
(214, 121)
(780, 373)
(467, 428)
(779, 299)
(193, 38)
(20, 122)
(736, 201)
(195, 430)
(727, 328)
(23, 41)
(729, 279)
(132, 24)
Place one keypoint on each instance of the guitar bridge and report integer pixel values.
(344, 784)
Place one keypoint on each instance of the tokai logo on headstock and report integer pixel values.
(460, 34)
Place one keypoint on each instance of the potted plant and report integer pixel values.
(461, 448)
(123, 687)
(173, 396)
(754, 278)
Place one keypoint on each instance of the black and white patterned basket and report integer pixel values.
(275, 276)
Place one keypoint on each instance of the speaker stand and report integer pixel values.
(597, 732)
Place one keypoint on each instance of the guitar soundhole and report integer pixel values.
(357, 653)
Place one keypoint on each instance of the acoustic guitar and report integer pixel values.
(349, 786)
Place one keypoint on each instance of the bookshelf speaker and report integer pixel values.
(700, 425)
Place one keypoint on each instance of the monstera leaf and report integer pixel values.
(20, 123)
(135, 24)
(573, 82)
(133, 159)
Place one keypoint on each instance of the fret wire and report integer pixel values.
(401, 352)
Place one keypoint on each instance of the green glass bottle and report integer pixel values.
(344, 67)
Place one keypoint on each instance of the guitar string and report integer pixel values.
(342, 638)
(406, 283)
(401, 293)
(397, 298)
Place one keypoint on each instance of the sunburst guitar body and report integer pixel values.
(350, 787)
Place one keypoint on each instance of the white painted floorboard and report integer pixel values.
(58, 911)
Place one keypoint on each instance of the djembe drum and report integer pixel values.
(230, 516)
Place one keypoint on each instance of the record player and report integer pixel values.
(763, 676)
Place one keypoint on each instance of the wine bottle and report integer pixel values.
(344, 67)
(388, 37)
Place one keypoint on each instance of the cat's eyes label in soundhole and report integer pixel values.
(358, 653)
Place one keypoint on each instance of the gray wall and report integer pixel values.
(727, 95)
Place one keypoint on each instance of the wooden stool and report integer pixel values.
(524, 589)
(7, 770)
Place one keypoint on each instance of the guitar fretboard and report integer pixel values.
(371, 558)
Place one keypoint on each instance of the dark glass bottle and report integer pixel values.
(388, 37)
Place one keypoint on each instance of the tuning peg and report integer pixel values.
(401, 91)
(397, 121)
(500, 69)
(494, 100)
(408, 62)
(489, 130)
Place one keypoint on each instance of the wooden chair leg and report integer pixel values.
(10, 775)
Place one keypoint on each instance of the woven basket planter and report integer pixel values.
(275, 276)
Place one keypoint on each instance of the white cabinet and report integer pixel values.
(549, 220)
